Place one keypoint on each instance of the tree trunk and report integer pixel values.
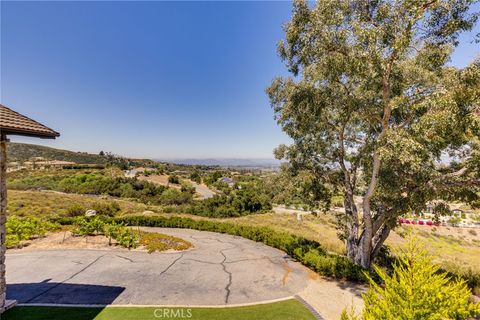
(3, 217)
(351, 225)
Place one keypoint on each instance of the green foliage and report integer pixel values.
(175, 197)
(24, 152)
(112, 230)
(213, 177)
(127, 238)
(454, 220)
(84, 226)
(155, 241)
(89, 226)
(20, 229)
(76, 210)
(195, 176)
(417, 290)
(110, 208)
(99, 183)
(173, 179)
(370, 79)
(244, 201)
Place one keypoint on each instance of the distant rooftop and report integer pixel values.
(14, 123)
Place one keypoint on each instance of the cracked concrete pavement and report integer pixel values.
(220, 270)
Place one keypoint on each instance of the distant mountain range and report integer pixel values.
(24, 152)
(247, 163)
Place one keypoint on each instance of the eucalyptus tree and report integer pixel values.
(375, 110)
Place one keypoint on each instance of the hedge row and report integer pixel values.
(308, 252)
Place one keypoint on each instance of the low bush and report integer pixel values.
(173, 179)
(84, 226)
(106, 208)
(154, 241)
(21, 229)
(417, 289)
(237, 203)
(76, 210)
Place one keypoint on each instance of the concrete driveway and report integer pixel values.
(219, 270)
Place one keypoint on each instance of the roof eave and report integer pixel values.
(27, 133)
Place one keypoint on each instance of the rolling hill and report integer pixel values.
(24, 152)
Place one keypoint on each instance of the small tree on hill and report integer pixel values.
(416, 290)
(373, 106)
(173, 179)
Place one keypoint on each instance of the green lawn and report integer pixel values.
(285, 310)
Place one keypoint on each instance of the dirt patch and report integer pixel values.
(65, 240)
(160, 179)
(288, 270)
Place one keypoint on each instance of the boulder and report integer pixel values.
(90, 213)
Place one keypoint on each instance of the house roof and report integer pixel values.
(14, 123)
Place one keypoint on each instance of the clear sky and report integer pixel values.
(150, 79)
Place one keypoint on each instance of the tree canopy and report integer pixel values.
(375, 110)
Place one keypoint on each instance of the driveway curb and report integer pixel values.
(153, 306)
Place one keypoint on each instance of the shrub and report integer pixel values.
(154, 241)
(127, 238)
(84, 226)
(76, 210)
(416, 290)
(237, 203)
(106, 208)
(472, 232)
(112, 230)
(20, 229)
(173, 179)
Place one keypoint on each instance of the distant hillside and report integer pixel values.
(244, 163)
(24, 152)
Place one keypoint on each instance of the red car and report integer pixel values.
(429, 223)
(421, 222)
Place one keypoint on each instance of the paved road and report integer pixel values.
(204, 191)
(220, 269)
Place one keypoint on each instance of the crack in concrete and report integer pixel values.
(214, 239)
(202, 261)
(253, 259)
(69, 278)
(125, 258)
(171, 264)
(227, 287)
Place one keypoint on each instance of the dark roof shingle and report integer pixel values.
(14, 123)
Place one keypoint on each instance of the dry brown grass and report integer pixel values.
(159, 179)
(47, 203)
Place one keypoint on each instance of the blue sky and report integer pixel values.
(150, 79)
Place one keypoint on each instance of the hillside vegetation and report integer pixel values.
(24, 152)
